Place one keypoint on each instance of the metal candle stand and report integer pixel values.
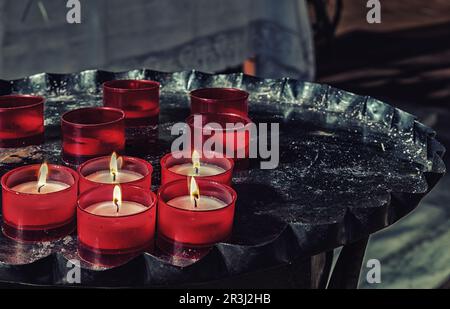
(349, 166)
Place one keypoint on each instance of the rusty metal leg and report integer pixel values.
(348, 266)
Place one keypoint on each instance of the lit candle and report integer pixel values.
(115, 223)
(197, 168)
(113, 170)
(194, 202)
(42, 185)
(189, 223)
(211, 166)
(116, 207)
(115, 174)
(39, 202)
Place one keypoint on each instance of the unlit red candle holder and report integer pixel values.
(31, 216)
(92, 132)
(219, 101)
(234, 142)
(139, 99)
(212, 167)
(97, 172)
(21, 120)
(190, 233)
(107, 238)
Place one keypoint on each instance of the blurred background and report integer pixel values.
(404, 60)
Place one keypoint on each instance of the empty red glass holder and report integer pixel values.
(111, 241)
(139, 99)
(219, 101)
(233, 141)
(29, 217)
(190, 234)
(130, 164)
(171, 160)
(21, 120)
(92, 132)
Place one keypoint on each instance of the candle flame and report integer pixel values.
(42, 176)
(196, 161)
(117, 197)
(115, 164)
(194, 192)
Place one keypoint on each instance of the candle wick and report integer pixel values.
(116, 202)
(114, 176)
(40, 187)
(196, 197)
(196, 170)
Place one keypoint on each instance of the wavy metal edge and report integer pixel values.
(292, 242)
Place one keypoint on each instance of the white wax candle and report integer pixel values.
(31, 187)
(204, 203)
(204, 169)
(122, 176)
(108, 208)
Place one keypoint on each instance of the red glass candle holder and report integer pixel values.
(21, 120)
(211, 160)
(32, 217)
(134, 171)
(139, 99)
(113, 240)
(92, 132)
(219, 101)
(233, 142)
(190, 234)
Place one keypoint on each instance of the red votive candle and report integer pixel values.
(139, 99)
(39, 202)
(92, 132)
(211, 166)
(115, 223)
(230, 133)
(193, 218)
(21, 120)
(219, 101)
(112, 170)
